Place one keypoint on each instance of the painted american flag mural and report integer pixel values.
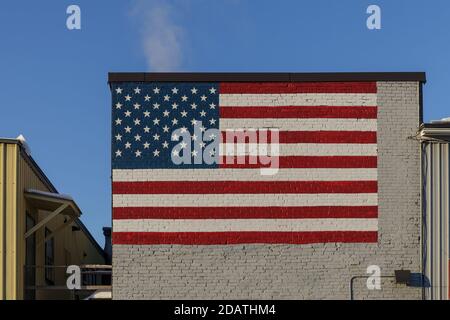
(324, 188)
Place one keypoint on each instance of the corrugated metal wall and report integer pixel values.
(436, 178)
(8, 209)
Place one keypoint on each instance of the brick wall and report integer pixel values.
(308, 271)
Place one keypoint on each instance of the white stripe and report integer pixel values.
(244, 200)
(299, 149)
(313, 174)
(301, 124)
(224, 225)
(298, 99)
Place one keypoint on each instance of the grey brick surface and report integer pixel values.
(317, 271)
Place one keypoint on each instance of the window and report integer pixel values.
(49, 258)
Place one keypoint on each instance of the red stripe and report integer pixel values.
(298, 87)
(313, 137)
(251, 162)
(299, 112)
(216, 238)
(243, 187)
(245, 212)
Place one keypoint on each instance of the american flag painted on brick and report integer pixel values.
(324, 190)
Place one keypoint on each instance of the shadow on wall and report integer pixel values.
(418, 280)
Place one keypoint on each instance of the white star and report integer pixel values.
(202, 113)
(156, 121)
(118, 137)
(155, 106)
(194, 153)
(137, 122)
(127, 113)
(118, 153)
(156, 136)
(165, 145)
(127, 129)
(174, 106)
(194, 90)
(174, 122)
(194, 137)
(166, 97)
(137, 90)
(138, 153)
(156, 90)
(202, 129)
(146, 145)
(202, 144)
(146, 129)
(212, 121)
(203, 97)
(156, 153)
(212, 136)
(212, 152)
(183, 130)
(127, 145)
(119, 90)
(147, 98)
(193, 106)
(193, 122)
(212, 106)
(119, 105)
(118, 121)
(146, 113)
(174, 90)
(166, 113)
(183, 113)
(212, 90)
(127, 97)
(183, 145)
(166, 128)
(137, 137)
(175, 137)
(176, 152)
(137, 106)
(184, 98)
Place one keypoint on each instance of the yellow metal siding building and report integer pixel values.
(27, 194)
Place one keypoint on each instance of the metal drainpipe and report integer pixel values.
(362, 277)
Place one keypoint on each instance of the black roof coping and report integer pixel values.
(263, 76)
(439, 125)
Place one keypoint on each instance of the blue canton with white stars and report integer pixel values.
(144, 116)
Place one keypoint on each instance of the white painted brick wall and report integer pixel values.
(315, 271)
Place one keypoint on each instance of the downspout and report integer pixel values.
(423, 210)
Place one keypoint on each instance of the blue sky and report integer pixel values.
(53, 83)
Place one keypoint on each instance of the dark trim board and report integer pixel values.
(261, 77)
(439, 125)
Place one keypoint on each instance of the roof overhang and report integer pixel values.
(52, 201)
(57, 204)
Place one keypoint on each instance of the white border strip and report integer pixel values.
(244, 200)
(314, 174)
(298, 149)
(311, 124)
(224, 225)
(298, 99)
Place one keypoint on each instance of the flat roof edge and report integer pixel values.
(263, 76)
(438, 125)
